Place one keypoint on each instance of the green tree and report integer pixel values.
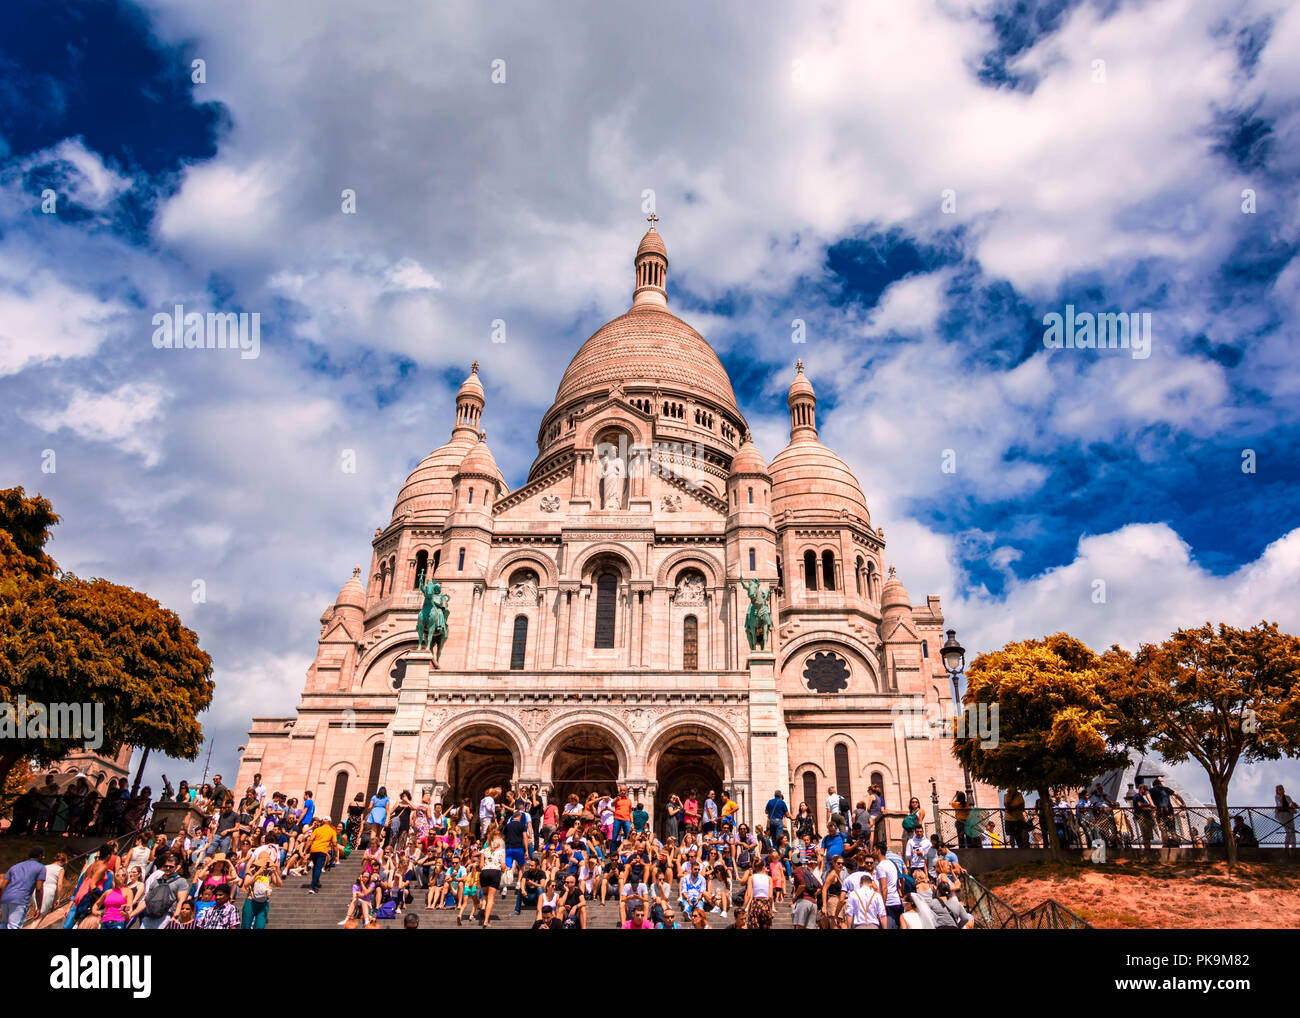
(1053, 725)
(68, 640)
(1219, 697)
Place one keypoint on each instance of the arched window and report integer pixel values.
(842, 784)
(606, 606)
(460, 561)
(690, 644)
(810, 791)
(421, 567)
(780, 574)
(857, 575)
(878, 779)
(810, 570)
(339, 800)
(437, 555)
(752, 566)
(519, 645)
(376, 764)
(828, 570)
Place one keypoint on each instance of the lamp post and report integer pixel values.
(953, 655)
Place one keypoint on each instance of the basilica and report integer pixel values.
(596, 628)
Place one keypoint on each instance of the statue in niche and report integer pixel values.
(690, 590)
(612, 470)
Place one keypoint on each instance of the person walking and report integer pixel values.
(323, 840)
(776, 811)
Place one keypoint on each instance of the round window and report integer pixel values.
(826, 672)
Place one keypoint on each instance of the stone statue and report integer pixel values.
(612, 473)
(758, 620)
(431, 626)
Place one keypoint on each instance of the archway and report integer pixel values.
(482, 761)
(584, 762)
(687, 763)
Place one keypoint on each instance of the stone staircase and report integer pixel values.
(293, 908)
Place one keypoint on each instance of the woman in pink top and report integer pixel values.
(113, 907)
(691, 812)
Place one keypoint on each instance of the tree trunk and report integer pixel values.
(139, 771)
(1220, 789)
(1047, 817)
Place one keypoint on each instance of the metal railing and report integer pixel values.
(1118, 827)
(992, 913)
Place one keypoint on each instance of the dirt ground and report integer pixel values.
(1141, 894)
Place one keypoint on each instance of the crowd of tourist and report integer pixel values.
(79, 810)
(551, 862)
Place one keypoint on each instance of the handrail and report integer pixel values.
(1116, 826)
(992, 913)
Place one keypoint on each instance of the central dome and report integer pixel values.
(648, 345)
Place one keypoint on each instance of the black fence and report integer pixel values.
(1118, 827)
(992, 913)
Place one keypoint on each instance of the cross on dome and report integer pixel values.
(652, 219)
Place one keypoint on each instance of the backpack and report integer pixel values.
(388, 910)
(261, 889)
(906, 885)
(160, 899)
(810, 882)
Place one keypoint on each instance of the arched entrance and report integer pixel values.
(483, 760)
(585, 761)
(687, 762)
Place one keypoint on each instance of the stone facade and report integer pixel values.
(597, 622)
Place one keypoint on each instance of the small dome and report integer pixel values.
(427, 491)
(471, 387)
(894, 594)
(652, 243)
(748, 460)
(808, 478)
(800, 387)
(480, 462)
(352, 594)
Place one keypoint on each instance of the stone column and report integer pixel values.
(402, 740)
(634, 626)
(769, 762)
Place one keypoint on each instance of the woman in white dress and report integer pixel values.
(53, 882)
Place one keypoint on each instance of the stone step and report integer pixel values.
(293, 907)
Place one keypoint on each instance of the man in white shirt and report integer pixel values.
(887, 875)
(487, 812)
(915, 851)
(692, 886)
(832, 807)
(865, 909)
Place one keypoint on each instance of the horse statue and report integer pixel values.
(758, 620)
(431, 626)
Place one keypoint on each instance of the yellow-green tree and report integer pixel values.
(68, 640)
(1217, 696)
(1054, 722)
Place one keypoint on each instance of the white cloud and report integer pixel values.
(122, 417)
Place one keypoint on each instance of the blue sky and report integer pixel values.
(1097, 154)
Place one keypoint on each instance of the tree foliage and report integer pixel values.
(68, 640)
(1054, 723)
(1219, 697)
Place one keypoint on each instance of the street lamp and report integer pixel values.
(953, 655)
